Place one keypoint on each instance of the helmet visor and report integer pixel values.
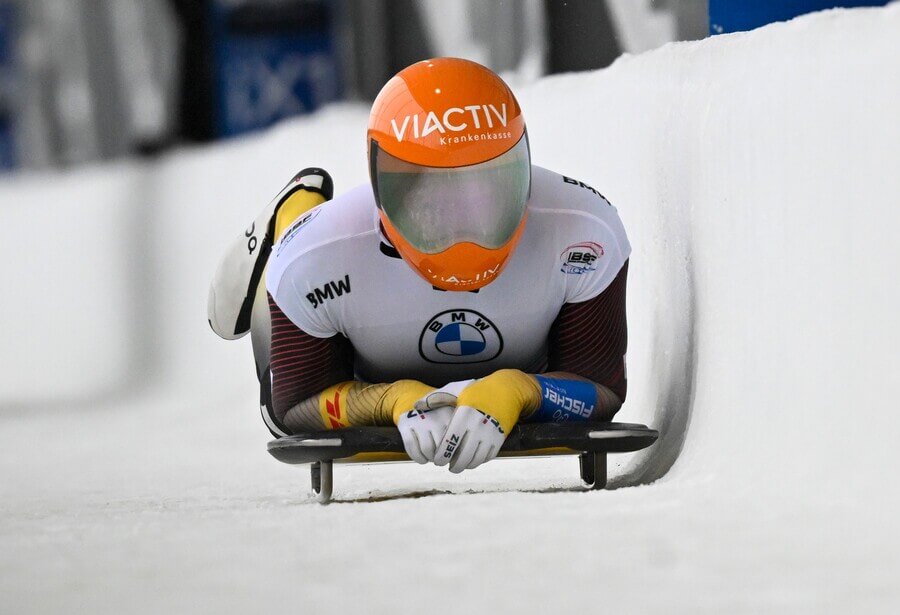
(434, 208)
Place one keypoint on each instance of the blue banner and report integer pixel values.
(741, 15)
(8, 30)
(272, 61)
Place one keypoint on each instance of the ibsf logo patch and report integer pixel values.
(581, 257)
(460, 336)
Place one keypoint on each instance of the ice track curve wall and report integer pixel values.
(758, 177)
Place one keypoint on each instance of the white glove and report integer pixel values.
(423, 427)
(471, 439)
(444, 396)
(421, 431)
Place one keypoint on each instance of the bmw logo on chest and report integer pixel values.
(460, 336)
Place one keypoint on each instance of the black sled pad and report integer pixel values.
(376, 444)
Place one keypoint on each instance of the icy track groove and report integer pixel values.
(758, 176)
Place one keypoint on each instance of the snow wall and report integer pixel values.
(757, 175)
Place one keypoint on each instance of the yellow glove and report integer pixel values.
(486, 411)
(421, 426)
(401, 397)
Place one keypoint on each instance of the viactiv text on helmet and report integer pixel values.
(446, 112)
(483, 114)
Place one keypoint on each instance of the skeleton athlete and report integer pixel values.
(460, 292)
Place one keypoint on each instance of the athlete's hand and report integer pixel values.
(423, 427)
(421, 431)
(485, 413)
(444, 396)
(472, 438)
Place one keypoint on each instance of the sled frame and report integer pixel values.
(592, 442)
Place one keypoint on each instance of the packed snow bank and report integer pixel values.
(109, 267)
(757, 176)
(70, 251)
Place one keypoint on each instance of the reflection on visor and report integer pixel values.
(434, 208)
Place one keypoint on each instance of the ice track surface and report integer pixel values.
(758, 177)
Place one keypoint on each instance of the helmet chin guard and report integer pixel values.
(462, 267)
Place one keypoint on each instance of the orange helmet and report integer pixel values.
(451, 170)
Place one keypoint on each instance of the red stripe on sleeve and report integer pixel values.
(590, 338)
(303, 365)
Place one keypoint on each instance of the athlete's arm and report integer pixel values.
(587, 382)
(313, 386)
(588, 342)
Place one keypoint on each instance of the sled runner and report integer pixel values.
(591, 441)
